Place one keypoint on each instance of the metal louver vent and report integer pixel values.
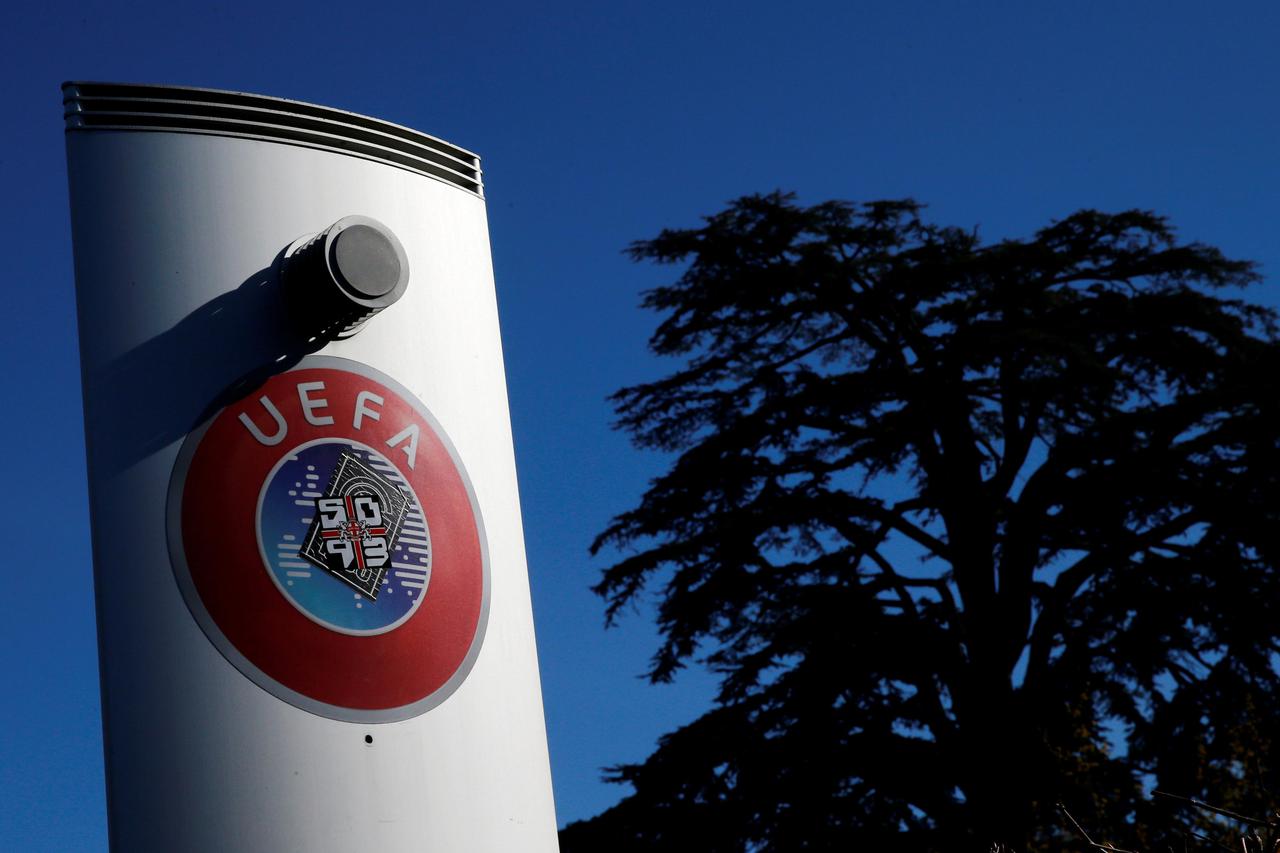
(123, 106)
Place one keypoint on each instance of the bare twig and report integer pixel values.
(1212, 841)
(1080, 829)
(1224, 812)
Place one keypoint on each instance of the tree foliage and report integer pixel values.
(966, 529)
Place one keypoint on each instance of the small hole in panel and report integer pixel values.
(368, 738)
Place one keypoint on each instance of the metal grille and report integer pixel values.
(123, 106)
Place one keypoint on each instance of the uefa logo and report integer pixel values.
(326, 538)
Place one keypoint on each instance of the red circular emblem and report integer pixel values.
(326, 538)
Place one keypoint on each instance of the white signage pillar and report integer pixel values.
(313, 605)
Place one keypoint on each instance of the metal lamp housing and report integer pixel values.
(336, 280)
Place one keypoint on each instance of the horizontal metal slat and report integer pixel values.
(107, 106)
(151, 106)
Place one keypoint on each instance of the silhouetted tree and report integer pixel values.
(966, 529)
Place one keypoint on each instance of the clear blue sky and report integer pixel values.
(599, 123)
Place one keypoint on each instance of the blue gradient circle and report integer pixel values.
(286, 507)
